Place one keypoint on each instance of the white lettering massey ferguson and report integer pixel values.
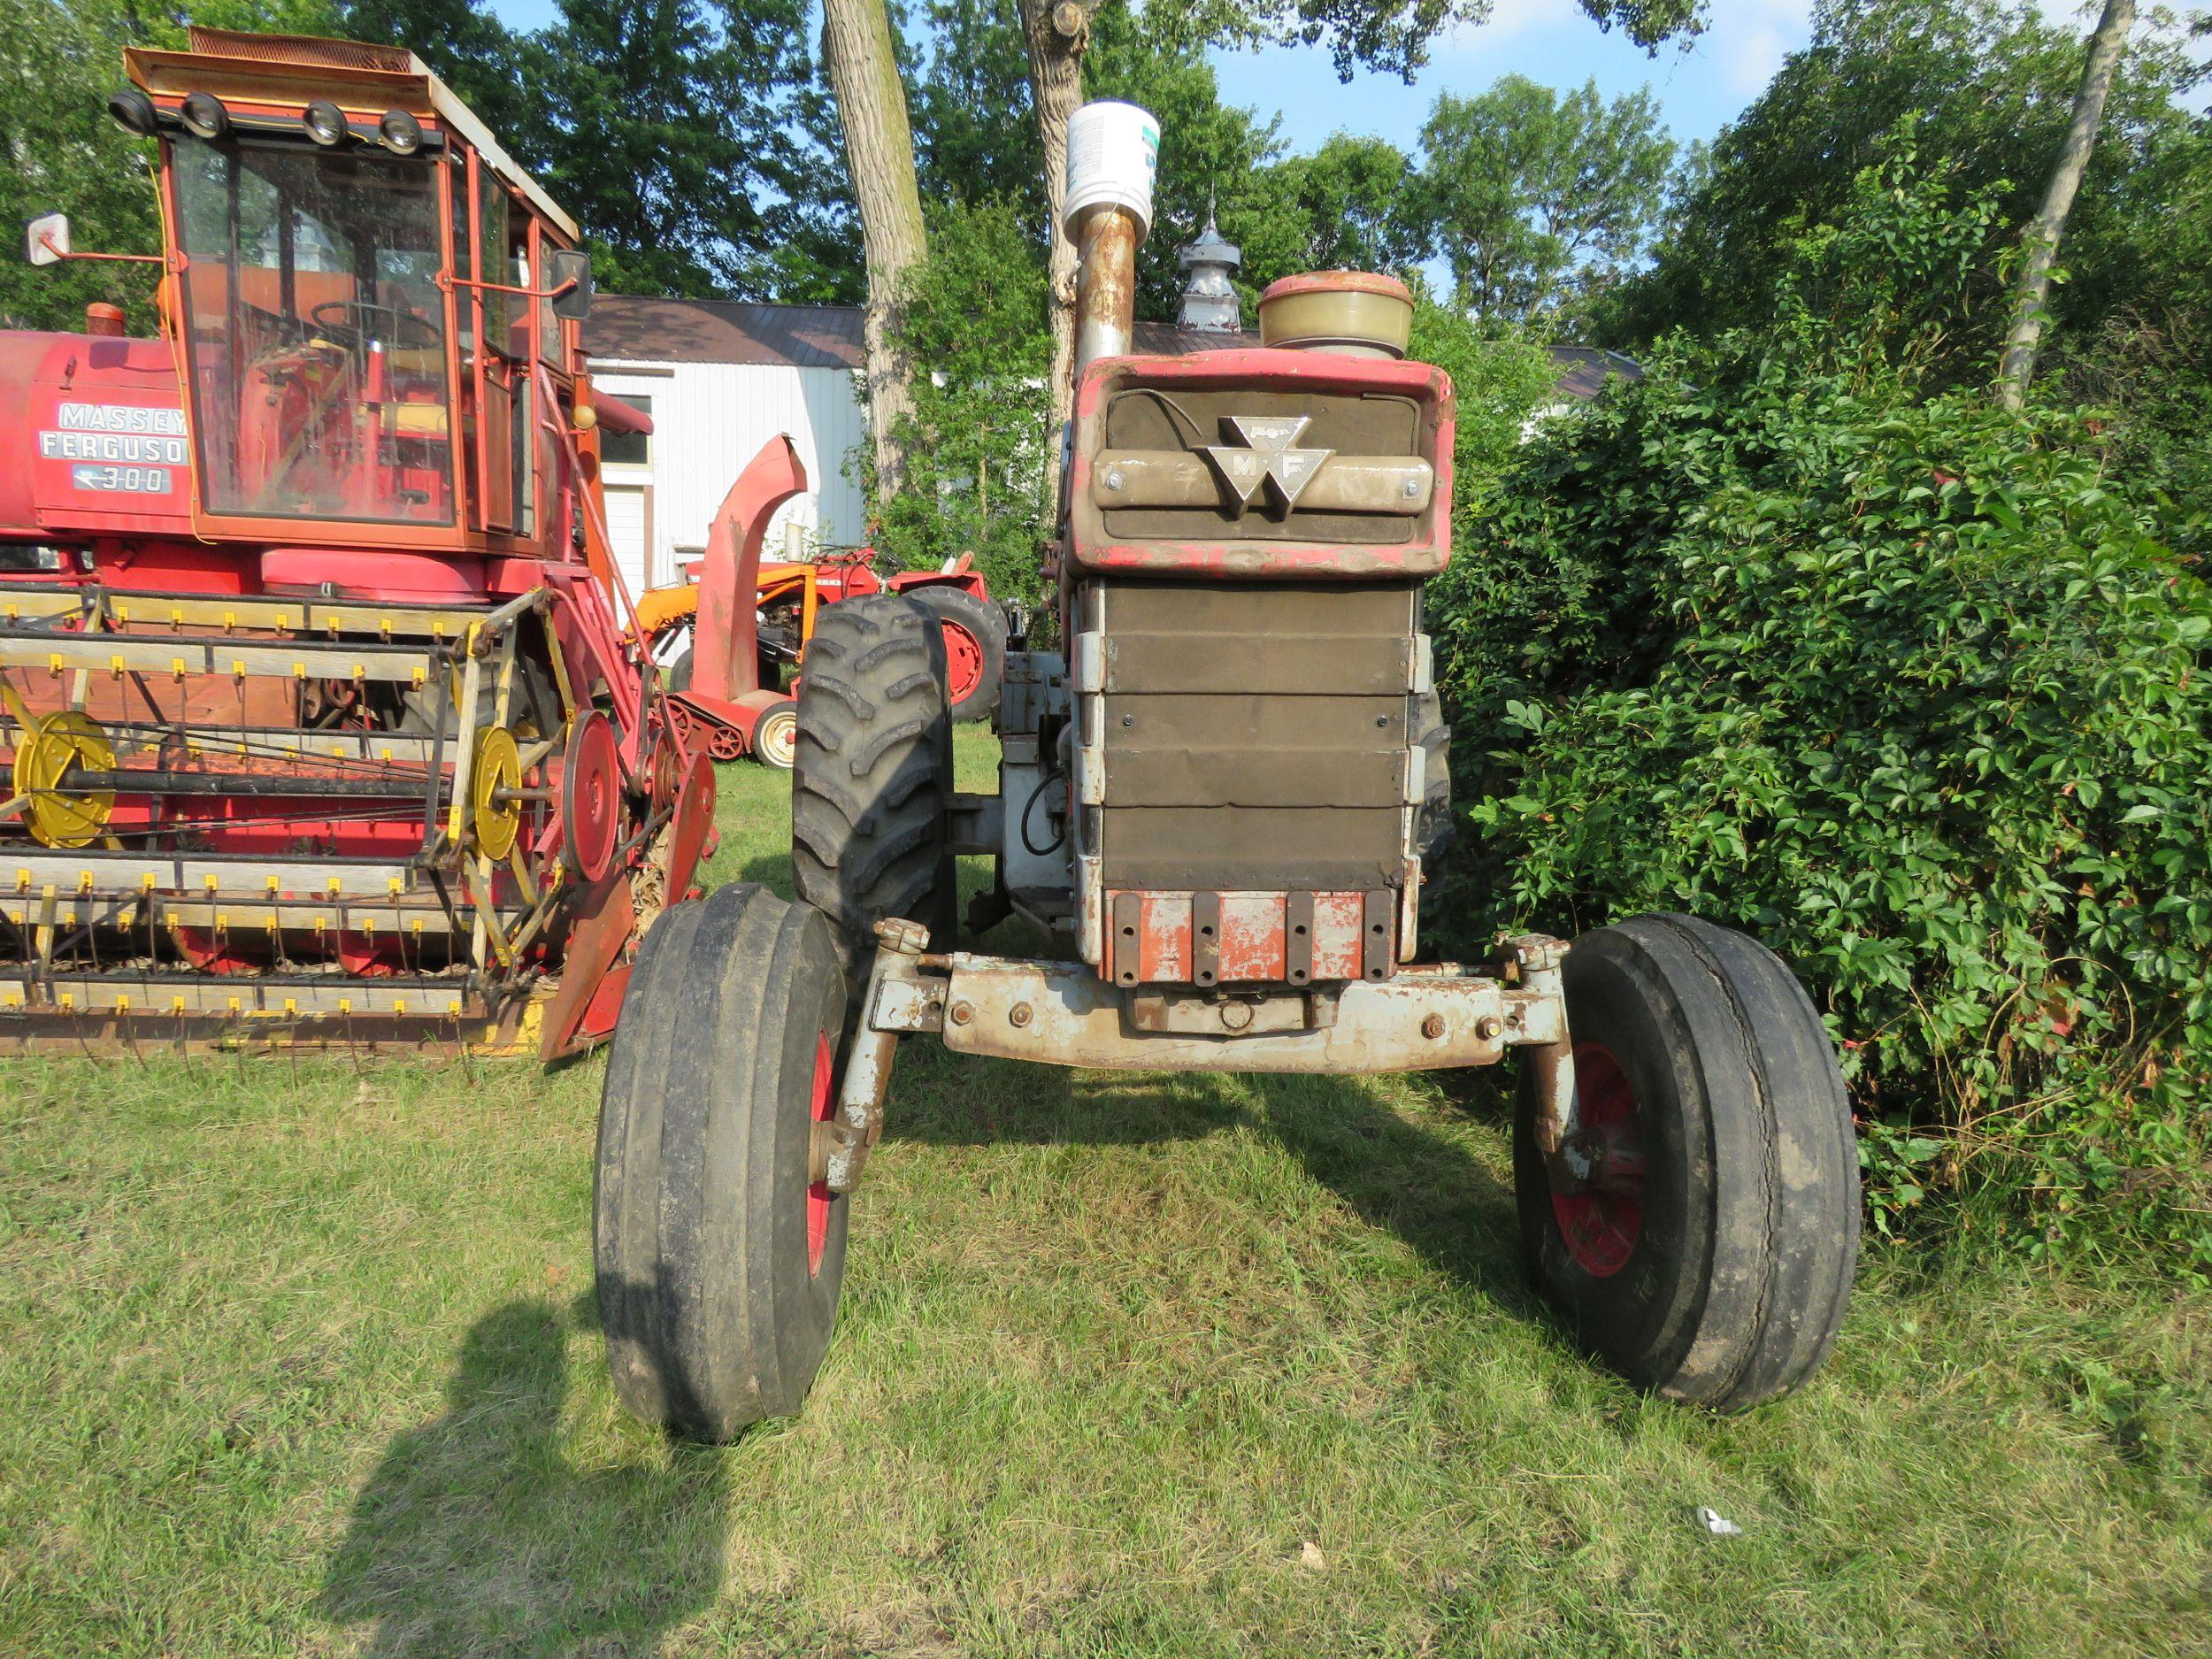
(1223, 796)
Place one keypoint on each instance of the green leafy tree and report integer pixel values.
(1356, 206)
(64, 154)
(1530, 195)
(1988, 86)
(1392, 35)
(980, 439)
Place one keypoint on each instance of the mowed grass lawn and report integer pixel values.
(300, 1358)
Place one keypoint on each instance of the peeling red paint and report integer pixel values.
(1254, 944)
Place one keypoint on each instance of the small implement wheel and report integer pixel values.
(975, 649)
(495, 816)
(718, 1256)
(776, 736)
(874, 772)
(1699, 1232)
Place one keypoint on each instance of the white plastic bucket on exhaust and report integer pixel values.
(1113, 152)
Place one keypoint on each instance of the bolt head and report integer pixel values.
(1114, 480)
(910, 938)
(962, 1013)
(1018, 1014)
(1432, 1028)
(1412, 488)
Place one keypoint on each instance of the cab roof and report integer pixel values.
(356, 76)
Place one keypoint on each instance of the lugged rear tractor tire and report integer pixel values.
(975, 648)
(874, 772)
(1434, 830)
(1713, 1260)
(719, 1263)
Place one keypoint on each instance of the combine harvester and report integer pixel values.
(321, 720)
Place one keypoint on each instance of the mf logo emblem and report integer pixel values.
(1267, 459)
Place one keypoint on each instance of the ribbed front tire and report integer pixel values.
(1708, 1254)
(718, 1261)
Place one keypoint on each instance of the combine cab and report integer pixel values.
(321, 720)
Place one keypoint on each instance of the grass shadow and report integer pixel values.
(1402, 1178)
(477, 1533)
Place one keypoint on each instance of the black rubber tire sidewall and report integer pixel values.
(713, 1320)
(1742, 1269)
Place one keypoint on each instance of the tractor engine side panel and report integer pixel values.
(1246, 775)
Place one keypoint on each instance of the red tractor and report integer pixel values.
(1222, 799)
(321, 721)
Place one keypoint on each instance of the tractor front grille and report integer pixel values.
(1252, 750)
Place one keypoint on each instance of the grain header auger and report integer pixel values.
(1222, 801)
(321, 720)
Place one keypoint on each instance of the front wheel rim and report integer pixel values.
(1602, 1218)
(821, 1107)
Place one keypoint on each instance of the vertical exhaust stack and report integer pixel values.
(1113, 152)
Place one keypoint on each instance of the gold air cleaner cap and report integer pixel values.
(1356, 313)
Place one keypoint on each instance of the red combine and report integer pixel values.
(322, 721)
(1221, 803)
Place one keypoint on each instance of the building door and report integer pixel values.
(630, 533)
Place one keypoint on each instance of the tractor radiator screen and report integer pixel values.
(1254, 736)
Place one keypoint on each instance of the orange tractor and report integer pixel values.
(788, 598)
(321, 717)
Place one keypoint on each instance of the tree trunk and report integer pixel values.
(2031, 293)
(1056, 32)
(863, 73)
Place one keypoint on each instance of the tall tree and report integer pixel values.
(2039, 242)
(1056, 33)
(1528, 192)
(60, 153)
(864, 70)
(676, 131)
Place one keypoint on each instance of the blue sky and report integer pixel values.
(1698, 87)
(1548, 41)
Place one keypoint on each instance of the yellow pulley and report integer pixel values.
(496, 775)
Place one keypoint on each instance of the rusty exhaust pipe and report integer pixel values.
(1113, 152)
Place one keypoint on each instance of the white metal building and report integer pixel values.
(719, 380)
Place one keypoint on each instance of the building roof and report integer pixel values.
(635, 328)
(1584, 370)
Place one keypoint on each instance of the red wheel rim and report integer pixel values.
(1602, 1222)
(963, 662)
(693, 820)
(818, 1197)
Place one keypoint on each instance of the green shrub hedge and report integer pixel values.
(1910, 689)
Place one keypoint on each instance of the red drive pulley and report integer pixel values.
(591, 797)
(693, 823)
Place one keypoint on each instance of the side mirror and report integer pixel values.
(46, 239)
(569, 269)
